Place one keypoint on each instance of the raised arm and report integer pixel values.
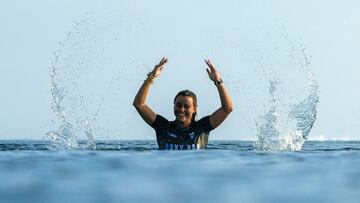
(139, 101)
(226, 105)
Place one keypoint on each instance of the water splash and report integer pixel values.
(288, 129)
(66, 136)
(63, 137)
(87, 78)
(305, 112)
(272, 132)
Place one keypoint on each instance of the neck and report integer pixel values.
(183, 124)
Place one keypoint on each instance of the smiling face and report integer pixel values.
(184, 110)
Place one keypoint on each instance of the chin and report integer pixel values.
(183, 120)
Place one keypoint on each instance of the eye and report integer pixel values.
(186, 106)
(178, 105)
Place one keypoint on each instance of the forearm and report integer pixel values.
(139, 101)
(226, 103)
(141, 95)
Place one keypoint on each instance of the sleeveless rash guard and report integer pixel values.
(171, 136)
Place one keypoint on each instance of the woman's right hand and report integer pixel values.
(158, 68)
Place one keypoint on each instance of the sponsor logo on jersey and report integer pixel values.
(192, 135)
(180, 146)
(172, 135)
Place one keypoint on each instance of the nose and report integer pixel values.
(181, 108)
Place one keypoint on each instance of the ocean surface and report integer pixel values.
(136, 171)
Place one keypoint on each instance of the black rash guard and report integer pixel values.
(171, 136)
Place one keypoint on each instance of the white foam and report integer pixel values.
(279, 130)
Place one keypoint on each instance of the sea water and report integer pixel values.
(72, 165)
(136, 171)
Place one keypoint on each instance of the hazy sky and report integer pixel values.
(110, 46)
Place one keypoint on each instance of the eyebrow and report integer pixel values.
(182, 103)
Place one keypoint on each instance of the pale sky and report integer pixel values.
(113, 44)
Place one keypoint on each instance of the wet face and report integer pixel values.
(184, 109)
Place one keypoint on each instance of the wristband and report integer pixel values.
(217, 83)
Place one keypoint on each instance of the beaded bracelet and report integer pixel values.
(150, 78)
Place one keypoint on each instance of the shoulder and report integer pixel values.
(203, 120)
(159, 122)
(204, 123)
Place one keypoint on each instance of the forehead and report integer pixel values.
(184, 100)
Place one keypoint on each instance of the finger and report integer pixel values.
(163, 61)
(211, 66)
(207, 63)
(208, 71)
(158, 65)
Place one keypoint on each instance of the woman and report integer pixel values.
(184, 132)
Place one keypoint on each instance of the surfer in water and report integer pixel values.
(184, 132)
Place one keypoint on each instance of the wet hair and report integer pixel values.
(191, 94)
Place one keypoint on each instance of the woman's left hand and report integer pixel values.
(213, 74)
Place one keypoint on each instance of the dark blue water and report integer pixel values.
(135, 171)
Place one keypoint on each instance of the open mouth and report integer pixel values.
(181, 115)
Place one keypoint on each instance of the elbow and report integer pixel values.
(137, 105)
(229, 109)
